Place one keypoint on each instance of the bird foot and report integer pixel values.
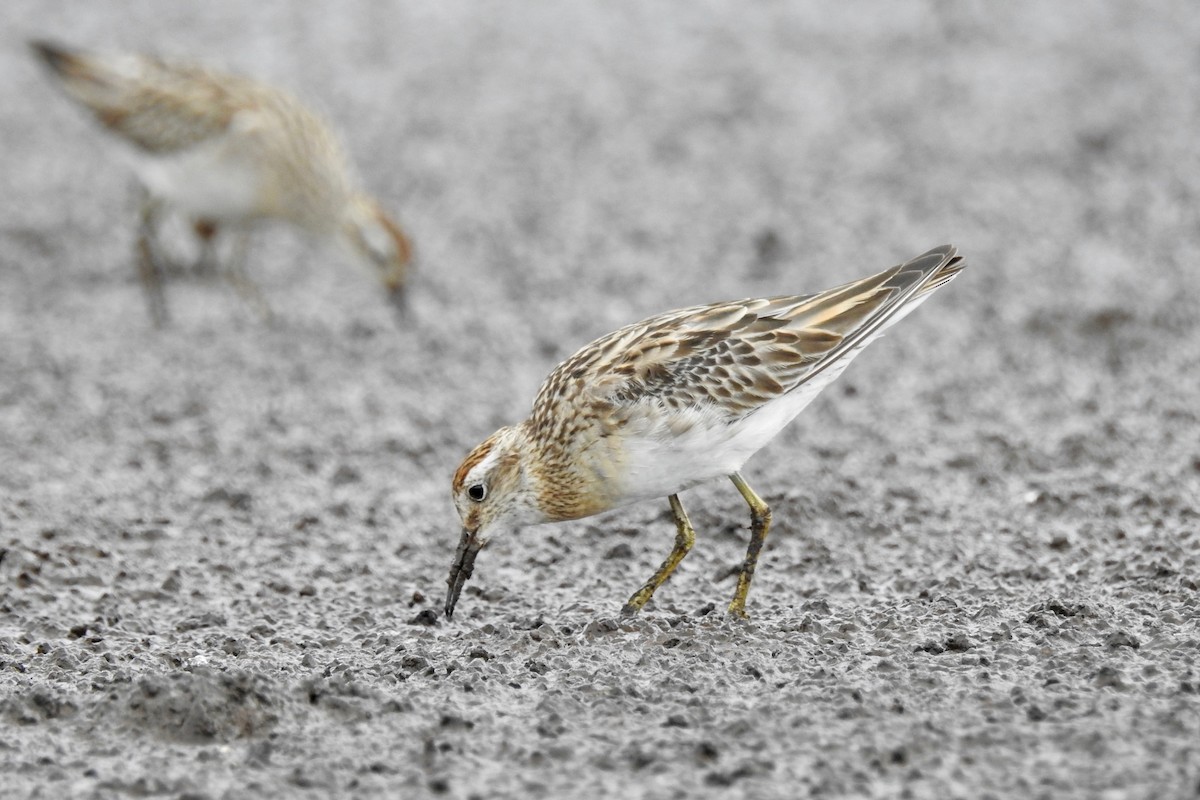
(737, 611)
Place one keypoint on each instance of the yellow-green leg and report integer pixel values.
(685, 537)
(760, 522)
(207, 262)
(149, 266)
(235, 273)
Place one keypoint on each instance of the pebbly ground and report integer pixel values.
(222, 545)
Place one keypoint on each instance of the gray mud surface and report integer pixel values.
(223, 545)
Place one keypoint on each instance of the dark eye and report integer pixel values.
(477, 492)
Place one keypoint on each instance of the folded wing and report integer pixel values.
(157, 106)
(734, 357)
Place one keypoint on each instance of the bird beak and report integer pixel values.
(398, 299)
(461, 569)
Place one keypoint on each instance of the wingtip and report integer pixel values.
(950, 264)
(953, 259)
(945, 256)
(946, 251)
(62, 60)
(53, 54)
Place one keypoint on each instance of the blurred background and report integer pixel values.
(564, 169)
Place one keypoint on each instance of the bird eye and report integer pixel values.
(477, 492)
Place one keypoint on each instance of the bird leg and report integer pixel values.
(401, 307)
(207, 262)
(760, 522)
(235, 273)
(149, 266)
(685, 537)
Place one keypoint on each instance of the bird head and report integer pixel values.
(493, 494)
(376, 240)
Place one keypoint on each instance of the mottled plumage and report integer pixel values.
(672, 401)
(223, 149)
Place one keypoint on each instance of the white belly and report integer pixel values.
(658, 462)
(205, 181)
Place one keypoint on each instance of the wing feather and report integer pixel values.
(158, 106)
(737, 356)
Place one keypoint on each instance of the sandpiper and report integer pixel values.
(670, 402)
(223, 151)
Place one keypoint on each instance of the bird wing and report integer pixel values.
(737, 356)
(159, 106)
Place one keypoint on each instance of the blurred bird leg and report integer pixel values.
(150, 269)
(235, 273)
(207, 263)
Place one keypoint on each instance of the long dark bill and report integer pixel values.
(401, 307)
(461, 569)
